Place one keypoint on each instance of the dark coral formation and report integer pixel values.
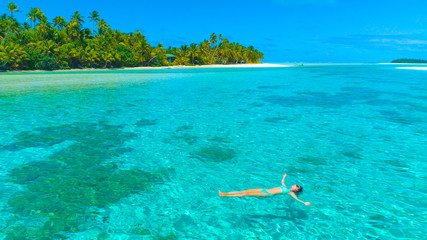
(58, 192)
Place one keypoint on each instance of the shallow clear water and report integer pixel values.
(141, 154)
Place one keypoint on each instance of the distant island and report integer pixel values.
(41, 44)
(407, 60)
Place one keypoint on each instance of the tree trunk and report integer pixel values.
(150, 60)
(213, 55)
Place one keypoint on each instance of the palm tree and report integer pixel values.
(59, 22)
(36, 14)
(32, 15)
(77, 18)
(40, 16)
(26, 26)
(193, 51)
(102, 26)
(6, 23)
(74, 26)
(11, 55)
(212, 42)
(223, 50)
(204, 50)
(12, 7)
(182, 55)
(47, 47)
(158, 53)
(213, 39)
(94, 17)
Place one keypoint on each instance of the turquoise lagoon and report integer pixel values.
(141, 154)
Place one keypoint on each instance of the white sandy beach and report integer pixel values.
(262, 65)
(414, 68)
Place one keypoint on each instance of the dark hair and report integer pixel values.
(300, 190)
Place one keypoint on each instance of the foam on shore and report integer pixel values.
(413, 68)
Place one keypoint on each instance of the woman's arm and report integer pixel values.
(296, 198)
(283, 180)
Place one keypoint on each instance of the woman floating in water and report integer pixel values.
(263, 192)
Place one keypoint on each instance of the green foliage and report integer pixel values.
(12, 56)
(61, 45)
(127, 56)
(407, 60)
(47, 63)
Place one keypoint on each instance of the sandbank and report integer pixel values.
(414, 68)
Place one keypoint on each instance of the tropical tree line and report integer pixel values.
(61, 44)
(409, 60)
(216, 50)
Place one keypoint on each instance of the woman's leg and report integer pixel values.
(231, 194)
(251, 192)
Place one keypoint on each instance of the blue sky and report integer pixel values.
(285, 30)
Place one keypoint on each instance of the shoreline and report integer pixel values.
(403, 63)
(413, 68)
(259, 65)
